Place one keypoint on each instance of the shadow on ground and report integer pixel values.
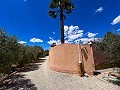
(97, 73)
(34, 66)
(41, 60)
(18, 82)
(115, 82)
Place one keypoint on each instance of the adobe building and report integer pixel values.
(66, 57)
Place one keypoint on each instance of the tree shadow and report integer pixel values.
(33, 66)
(96, 72)
(115, 82)
(85, 53)
(17, 82)
(41, 60)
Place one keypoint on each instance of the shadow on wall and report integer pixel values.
(84, 53)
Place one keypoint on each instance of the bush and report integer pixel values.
(112, 42)
(13, 53)
(111, 46)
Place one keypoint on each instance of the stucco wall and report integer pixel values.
(88, 58)
(65, 57)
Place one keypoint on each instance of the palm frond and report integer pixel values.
(53, 14)
(52, 5)
(68, 6)
(65, 5)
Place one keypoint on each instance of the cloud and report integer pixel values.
(65, 28)
(100, 9)
(73, 37)
(22, 42)
(34, 40)
(53, 41)
(91, 35)
(116, 20)
(50, 38)
(53, 32)
(72, 34)
(72, 28)
(86, 40)
(118, 30)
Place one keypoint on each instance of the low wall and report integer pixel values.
(65, 57)
(88, 58)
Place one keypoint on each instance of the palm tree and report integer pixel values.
(61, 7)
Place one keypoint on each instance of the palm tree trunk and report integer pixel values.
(62, 26)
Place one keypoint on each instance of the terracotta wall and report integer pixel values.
(88, 58)
(65, 57)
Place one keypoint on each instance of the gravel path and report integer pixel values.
(46, 79)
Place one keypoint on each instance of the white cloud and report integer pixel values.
(91, 35)
(34, 40)
(72, 34)
(100, 9)
(86, 40)
(53, 32)
(72, 28)
(50, 38)
(118, 30)
(116, 20)
(66, 41)
(65, 28)
(22, 42)
(56, 41)
(73, 37)
(53, 41)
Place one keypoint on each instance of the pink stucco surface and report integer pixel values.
(88, 58)
(65, 57)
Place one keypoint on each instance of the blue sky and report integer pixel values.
(30, 22)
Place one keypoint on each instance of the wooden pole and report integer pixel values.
(80, 67)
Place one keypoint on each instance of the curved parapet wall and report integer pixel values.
(65, 57)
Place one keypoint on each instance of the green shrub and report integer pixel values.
(13, 53)
(111, 46)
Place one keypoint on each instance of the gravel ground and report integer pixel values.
(39, 77)
(46, 79)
